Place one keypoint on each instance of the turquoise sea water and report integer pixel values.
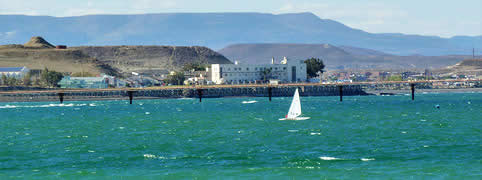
(359, 138)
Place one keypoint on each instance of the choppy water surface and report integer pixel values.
(361, 137)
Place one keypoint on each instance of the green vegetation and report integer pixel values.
(196, 66)
(313, 66)
(12, 81)
(4, 79)
(266, 73)
(51, 78)
(82, 74)
(27, 79)
(175, 79)
(395, 78)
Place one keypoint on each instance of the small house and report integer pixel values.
(84, 82)
(16, 72)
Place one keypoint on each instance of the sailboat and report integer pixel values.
(295, 109)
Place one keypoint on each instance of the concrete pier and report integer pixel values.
(216, 91)
(205, 92)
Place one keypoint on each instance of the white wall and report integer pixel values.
(17, 74)
(252, 72)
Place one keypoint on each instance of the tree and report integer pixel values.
(36, 82)
(11, 81)
(54, 78)
(176, 78)
(27, 79)
(44, 76)
(51, 78)
(197, 66)
(4, 79)
(266, 73)
(314, 65)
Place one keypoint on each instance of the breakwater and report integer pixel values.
(191, 92)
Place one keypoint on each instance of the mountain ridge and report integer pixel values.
(335, 57)
(217, 30)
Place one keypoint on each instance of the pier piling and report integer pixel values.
(200, 94)
(131, 96)
(61, 97)
(270, 92)
(341, 93)
(413, 91)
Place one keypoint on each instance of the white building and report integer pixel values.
(16, 72)
(286, 71)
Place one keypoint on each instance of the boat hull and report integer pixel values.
(295, 119)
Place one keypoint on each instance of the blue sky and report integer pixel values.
(443, 18)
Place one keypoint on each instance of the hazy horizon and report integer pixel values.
(446, 19)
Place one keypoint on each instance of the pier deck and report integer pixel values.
(212, 91)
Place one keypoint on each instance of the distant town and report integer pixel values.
(286, 71)
(216, 70)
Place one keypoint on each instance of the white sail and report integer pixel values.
(295, 108)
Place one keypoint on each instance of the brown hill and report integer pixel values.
(59, 60)
(114, 60)
(38, 42)
(152, 59)
(465, 67)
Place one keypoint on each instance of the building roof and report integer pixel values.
(89, 78)
(85, 79)
(11, 69)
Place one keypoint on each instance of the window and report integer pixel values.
(247, 69)
(229, 69)
(275, 68)
(255, 68)
(284, 68)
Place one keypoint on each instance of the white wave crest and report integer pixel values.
(42, 106)
(329, 158)
(249, 102)
(7, 107)
(367, 159)
(150, 156)
(185, 98)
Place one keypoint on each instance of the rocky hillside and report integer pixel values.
(335, 57)
(465, 67)
(114, 60)
(151, 59)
